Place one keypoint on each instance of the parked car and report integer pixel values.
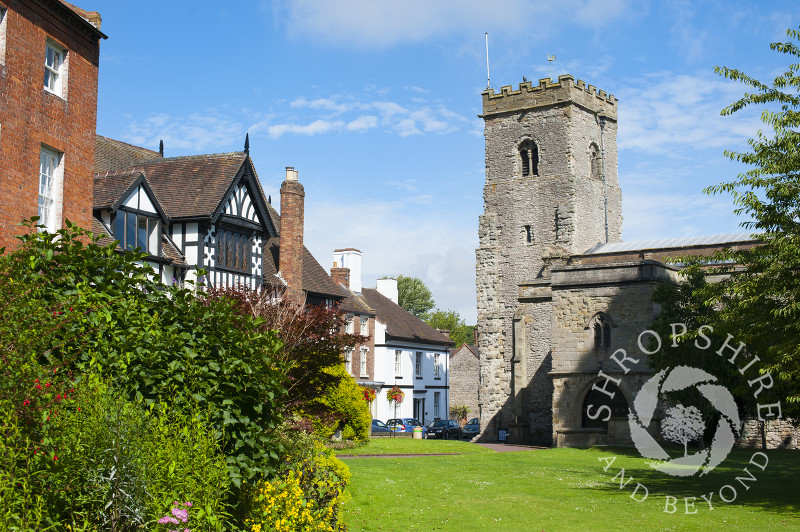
(445, 429)
(406, 424)
(379, 426)
(471, 429)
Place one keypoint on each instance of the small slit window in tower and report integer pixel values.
(594, 161)
(528, 234)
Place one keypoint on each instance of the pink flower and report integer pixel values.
(183, 515)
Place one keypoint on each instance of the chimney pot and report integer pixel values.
(291, 174)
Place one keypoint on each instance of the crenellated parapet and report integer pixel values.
(548, 94)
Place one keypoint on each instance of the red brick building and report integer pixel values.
(49, 56)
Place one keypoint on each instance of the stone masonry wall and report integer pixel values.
(779, 434)
(464, 378)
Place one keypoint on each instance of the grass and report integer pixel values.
(412, 446)
(564, 489)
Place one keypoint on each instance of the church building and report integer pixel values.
(558, 292)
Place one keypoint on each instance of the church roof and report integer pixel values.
(669, 243)
(401, 324)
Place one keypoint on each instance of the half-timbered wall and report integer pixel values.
(228, 277)
(241, 205)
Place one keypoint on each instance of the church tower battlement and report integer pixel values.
(551, 191)
(547, 94)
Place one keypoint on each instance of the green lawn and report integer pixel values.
(562, 489)
(412, 446)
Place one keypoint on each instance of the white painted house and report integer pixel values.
(406, 352)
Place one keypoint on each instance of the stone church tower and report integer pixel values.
(551, 192)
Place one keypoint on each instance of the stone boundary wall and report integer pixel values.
(780, 434)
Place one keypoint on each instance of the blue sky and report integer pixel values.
(376, 104)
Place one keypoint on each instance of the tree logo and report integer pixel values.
(684, 424)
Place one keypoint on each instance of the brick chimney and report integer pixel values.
(291, 251)
(340, 275)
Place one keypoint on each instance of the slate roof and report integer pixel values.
(110, 154)
(89, 19)
(668, 243)
(401, 324)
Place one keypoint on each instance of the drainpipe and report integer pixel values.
(601, 120)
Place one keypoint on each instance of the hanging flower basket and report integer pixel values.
(395, 394)
(369, 395)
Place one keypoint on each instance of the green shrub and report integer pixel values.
(347, 409)
(94, 309)
(22, 506)
(117, 464)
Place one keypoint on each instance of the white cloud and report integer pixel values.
(666, 113)
(396, 239)
(363, 123)
(370, 23)
(317, 127)
(195, 133)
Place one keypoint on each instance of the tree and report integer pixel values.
(313, 341)
(761, 304)
(450, 320)
(414, 296)
(682, 425)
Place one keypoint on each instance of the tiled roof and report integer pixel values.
(354, 303)
(401, 324)
(108, 190)
(110, 154)
(192, 186)
(315, 279)
(90, 18)
(472, 349)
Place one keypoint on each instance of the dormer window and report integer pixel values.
(529, 158)
(137, 230)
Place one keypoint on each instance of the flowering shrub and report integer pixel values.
(369, 395)
(179, 513)
(305, 496)
(395, 394)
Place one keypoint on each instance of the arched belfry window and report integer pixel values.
(601, 329)
(529, 157)
(594, 161)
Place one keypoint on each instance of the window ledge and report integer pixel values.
(232, 270)
(57, 95)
